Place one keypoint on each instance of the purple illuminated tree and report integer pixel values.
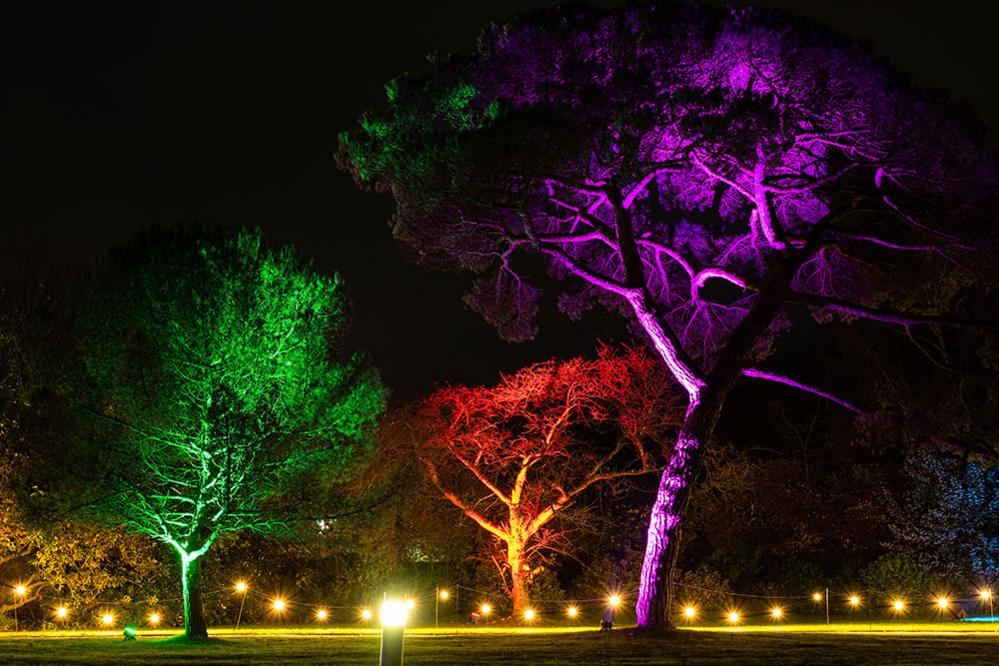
(711, 176)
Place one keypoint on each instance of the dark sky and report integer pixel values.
(119, 115)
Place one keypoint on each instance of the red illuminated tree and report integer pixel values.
(516, 458)
(728, 181)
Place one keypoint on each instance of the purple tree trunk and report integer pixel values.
(666, 517)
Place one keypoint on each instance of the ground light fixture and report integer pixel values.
(130, 633)
(394, 614)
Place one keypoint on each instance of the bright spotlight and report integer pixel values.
(855, 600)
(485, 609)
(322, 614)
(444, 595)
(241, 586)
(985, 594)
(154, 618)
(733, 617)
(410, 604)
(777, 613)
(898, 605)
(61, 612)
(278, 605)
(614, 601)
(529, 615)
(365, 614)
(572, 611)
(943, 602)
(817, 596)
(107, 619)
(394, 613)
(690, 611)
(21, 590)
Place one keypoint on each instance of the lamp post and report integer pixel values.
(394, 615)
(986, 595)
(241, 588)
(19, 591)
(441, 595)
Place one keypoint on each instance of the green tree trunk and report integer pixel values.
(195, 625)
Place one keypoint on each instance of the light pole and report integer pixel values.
(394, 615)
(241, 589)
(441, 595)
(986, 595)
(19, 591)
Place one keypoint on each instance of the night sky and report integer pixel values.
(117, 116)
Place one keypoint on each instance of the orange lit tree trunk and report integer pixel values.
(519, 576)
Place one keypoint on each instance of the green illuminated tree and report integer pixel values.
(215, 367)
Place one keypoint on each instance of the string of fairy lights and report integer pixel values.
(778, 607)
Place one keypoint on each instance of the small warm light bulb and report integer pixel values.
(985, 594)
(614, 601)
(62, 612)
(572, 611)
(485, 609)
(410, 604)
(690, 611)
(854, 600)
(278, 605)
(322, 614)
(365, 614)
(154, 618)
(529, 614)
(444, 595)
(943, 602)
(241, 587)
(777, 613)
(733, 617)
(21, 590)
(817, 596)
(898, 605)
(107, 618)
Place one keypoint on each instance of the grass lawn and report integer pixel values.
(888, 643)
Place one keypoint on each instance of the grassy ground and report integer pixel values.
(888, 643)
